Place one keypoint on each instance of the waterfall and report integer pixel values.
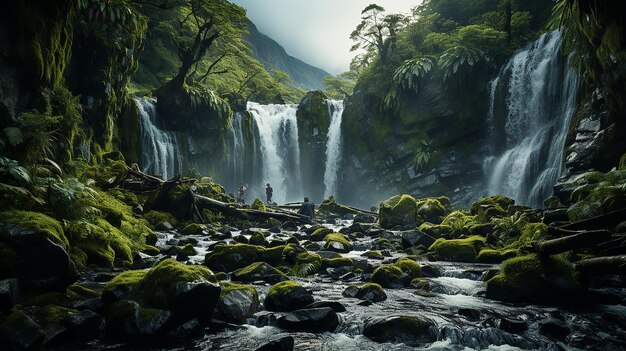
(532, 101)
(333, 146)
(160, 153)
(236, 154)
(278, 136)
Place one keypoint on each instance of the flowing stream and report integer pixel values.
(333, 146)
(531, 105)
(160, 152)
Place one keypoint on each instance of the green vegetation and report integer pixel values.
(460, 250)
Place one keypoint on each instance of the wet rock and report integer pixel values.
(195, 299)
(9, 293)
(554, 328)
(364, 218)
(400, 210)
(479, 339)
(126, 319)
(237, 302)
(515, 326)
(282, 344)
(470, 313)
(259, 271)
(37, 243)
(95, 305)
(336, 306)
(431, 271)
(415, 237)
(182, 257)
(310, 320)
(371, 292)
(290, 225)
(287, 296)
(19, 332)
(410, 330)
(84, 325)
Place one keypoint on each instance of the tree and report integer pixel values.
(377, 31)
(200, 24)
(341, 84)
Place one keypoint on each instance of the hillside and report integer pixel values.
(274, 57)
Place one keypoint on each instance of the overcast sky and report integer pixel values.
(315, 31)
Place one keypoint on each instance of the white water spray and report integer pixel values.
(333, 146)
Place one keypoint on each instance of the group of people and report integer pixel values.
(307, 208)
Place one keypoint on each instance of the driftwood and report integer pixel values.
(580, 240)
(232, 210)
(602, 265)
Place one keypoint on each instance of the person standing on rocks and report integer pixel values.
(307, 208)
(269, 192)
(241, 193)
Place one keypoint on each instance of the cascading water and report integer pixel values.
(532, 101)
(236, 154)
(333, 146)
(160, 152)
(278, 136)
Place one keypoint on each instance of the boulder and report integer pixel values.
(19, 332)
(237, 302)
(457, 250)
(126, 319)
(415, 237)
(370, 292)
(9, 294)
(283, 344)
(33, 249)
(313, 320)
(410, 330)
(228, 258)
(515, 326)
(554, 328)
(400, 210)
(259, 271)
(287, 296)
(337, 242)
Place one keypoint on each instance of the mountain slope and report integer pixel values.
(273, 56)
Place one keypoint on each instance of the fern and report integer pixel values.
(458, 56)
(303, 270)
(408, 75)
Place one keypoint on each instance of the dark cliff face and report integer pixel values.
(274, 57)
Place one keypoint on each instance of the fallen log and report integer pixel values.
(231, 210)
(572, 242)
(602, 265)
(606, 220)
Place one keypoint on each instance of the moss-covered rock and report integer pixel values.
(373, 254)
(257, 238)
(227, 258)
(258, 271)
(237, 302)
(330, 206)
(258, 204)
(400, 210)
(409, 267)
(370, 292)
(287, 296)
(437, 230)
(458, 250)
(388, 276)
(531, 279)
(337, 242)
(431, 210)
(192, 229)
(410, 330)
(33, 247)
(495, 256)
(319, 234)
(157, 220)
(502, 203)
(337, 262)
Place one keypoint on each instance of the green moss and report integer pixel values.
(458, 220)
(430, 210)
(533, 232)
(495, 256)
(388, 276)
(309, 258)
(436, 230)
(459, 250)
(254, 267)
(130, 279)
(156, 219)
(106, 174)
(373, 254)
(498, 202)
(320, 234)
(282, 288)
(622, 163)
(332, 207)
(337, 262)
(37, 222)
(409, 266)
(151, 250)
(398, 210)
(227, 287)
(227, 258)
(80, 291)
(257, 238)
(258, 204)
(188, 250)
(339, 238)
(192, 229)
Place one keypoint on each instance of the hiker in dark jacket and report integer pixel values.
(307, 208)
(269, 192)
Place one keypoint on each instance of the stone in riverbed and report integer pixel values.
(287, 296)
(237, 302)
(259, 271)
(336, 306)
(126, 319)
(515, 326)
(310, 320)
(371, 292)
(554, 328)
(283, 344)
(20, 332)
(9, 294)
(410, 330)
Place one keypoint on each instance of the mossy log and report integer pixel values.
(580, 240)
(231, 210)
(602, 265)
